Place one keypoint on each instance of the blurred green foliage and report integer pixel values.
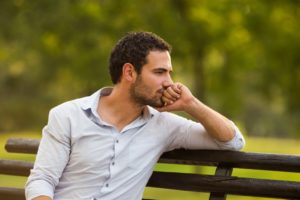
(238, 56)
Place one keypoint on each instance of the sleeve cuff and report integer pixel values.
(38, 188)
(236, 143)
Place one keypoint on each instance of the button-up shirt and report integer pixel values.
(83, 157)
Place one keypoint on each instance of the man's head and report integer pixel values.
(133, 48)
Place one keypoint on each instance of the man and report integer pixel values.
(105, 146)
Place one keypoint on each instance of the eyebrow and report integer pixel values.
(162, 69)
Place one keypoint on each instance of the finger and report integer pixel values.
(177, 88)
(173, 92)
(169, 95)
(167, 101)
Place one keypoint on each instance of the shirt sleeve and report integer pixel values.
(188, 134)
(236, 143)
(52, 157)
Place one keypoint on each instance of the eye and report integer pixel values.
(159, 72)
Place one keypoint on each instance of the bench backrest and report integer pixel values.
(218, 185)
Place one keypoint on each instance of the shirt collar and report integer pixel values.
(90, 103)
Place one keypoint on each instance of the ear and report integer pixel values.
(129, 73)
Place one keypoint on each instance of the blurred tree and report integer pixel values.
(239, 57)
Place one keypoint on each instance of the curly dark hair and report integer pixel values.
(133, 48)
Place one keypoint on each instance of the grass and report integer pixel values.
(254, 144)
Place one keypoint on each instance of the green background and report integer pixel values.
(240, 57)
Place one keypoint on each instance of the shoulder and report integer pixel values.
(69, 107)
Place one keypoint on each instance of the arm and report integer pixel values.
(51, 159)
(216, 124)
(178, 97)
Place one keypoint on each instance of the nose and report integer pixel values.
(168, 81)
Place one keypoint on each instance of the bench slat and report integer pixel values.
(12, 193)
(22, 145)
(204, 183)
(222, 184)
(17, 194)
(234, 159)
(15, 167)
(194, 182)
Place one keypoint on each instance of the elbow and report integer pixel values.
(240, 144)
(237, 143)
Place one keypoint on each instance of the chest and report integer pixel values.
(96, 150)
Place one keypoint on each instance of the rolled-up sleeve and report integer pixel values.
(52, 157)
(37, 188)
(188, 134)
(236, 143)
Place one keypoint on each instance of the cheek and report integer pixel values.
(155, 85)
(152, 83)
(156, 81)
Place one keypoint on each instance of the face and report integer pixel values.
(155, 76)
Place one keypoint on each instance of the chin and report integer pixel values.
(158, 104)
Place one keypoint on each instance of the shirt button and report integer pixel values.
(117, 141)
(113, 163)
(107, 185)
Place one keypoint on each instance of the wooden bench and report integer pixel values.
(219, 185)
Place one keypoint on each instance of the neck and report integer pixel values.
(118, 108)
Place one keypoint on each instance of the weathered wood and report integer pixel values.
(17, 194)
(21, 145)
(278, 162)
(15, 167)
(220, 171)
(235, 159)
(208, 183)
(229, 185)
(12, 193)
(219, 185)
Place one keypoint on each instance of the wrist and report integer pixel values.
(193, 105)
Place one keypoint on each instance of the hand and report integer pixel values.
(176, 97)
(42, 198)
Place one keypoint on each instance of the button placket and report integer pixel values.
(109, 177)
(116, 146)
(115, 152)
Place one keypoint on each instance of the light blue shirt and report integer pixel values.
(82, 157)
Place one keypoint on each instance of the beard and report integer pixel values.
(143, 95)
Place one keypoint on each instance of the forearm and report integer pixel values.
(179, 98)
(218, 126)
